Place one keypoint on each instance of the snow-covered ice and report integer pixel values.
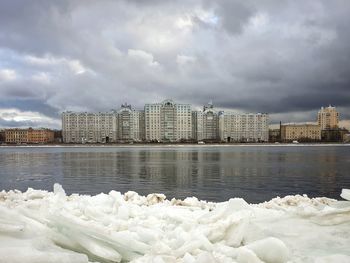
(40, 226)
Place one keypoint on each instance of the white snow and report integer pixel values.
(40, 226)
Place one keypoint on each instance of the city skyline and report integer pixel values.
(166, 121)
(272, 125)
(286, 59)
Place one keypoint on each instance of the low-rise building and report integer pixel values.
(16, 135)
(40, 135)
(333, 135)
(346, 138)
(274, 135)
(2, 136)
(303, 132)
(57, 134)
(29, 135)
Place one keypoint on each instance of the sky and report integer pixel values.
(287, 58)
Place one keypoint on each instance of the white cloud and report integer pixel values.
(142, 57)
(36, 118)
(43, 61)
(8, 74)
(48, 60)
(42, 77)
(258, 23)
(76, 67)
(184, 22)
(183, 60)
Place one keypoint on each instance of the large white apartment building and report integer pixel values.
(197, 125)
(168, 121)
(205, 124)
(130, 125)
(81, 127)
(165, 121)
(103, 127)
(251, 127)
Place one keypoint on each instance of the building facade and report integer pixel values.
(125, 125)
(334, 135)
(129, 124)
(164, 122)
(16, 135)
(300, 132)
(346, 138)
(274, 135)
(57, 135)
(85, 127)
(205, 124)
(142, 125)
(197, 125)
(29, 136)
(251, 127)
(168, 121)
(328, 118)
(2, 135)
(40, 136)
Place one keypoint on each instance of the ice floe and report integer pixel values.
(40, 226)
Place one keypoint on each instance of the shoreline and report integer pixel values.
(161, 145)
(81, 228)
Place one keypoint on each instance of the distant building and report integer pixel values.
(40, 136)
(300, 132)
(328, 118)
(87, 127)
(29, 135)
(2, 136)
(125, 125)
(129, 124)
(197, 125)
(57, 134)
(205, 124)
(163, 122)
(16, 135)
(333, 135)
(346, 138)
(210, 123)
(142, 125)
(251, 127)
(168, 121)
(274, 135)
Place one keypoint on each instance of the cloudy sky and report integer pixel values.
(287, 58)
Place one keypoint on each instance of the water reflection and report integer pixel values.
(211, 173)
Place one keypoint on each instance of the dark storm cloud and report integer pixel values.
(29, 104)
(14, 124)
(234, 14)
(34, 27)
(287, 58)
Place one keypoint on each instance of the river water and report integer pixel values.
(213, 173)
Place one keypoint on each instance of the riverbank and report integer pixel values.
(38, 225)
(175, 145)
